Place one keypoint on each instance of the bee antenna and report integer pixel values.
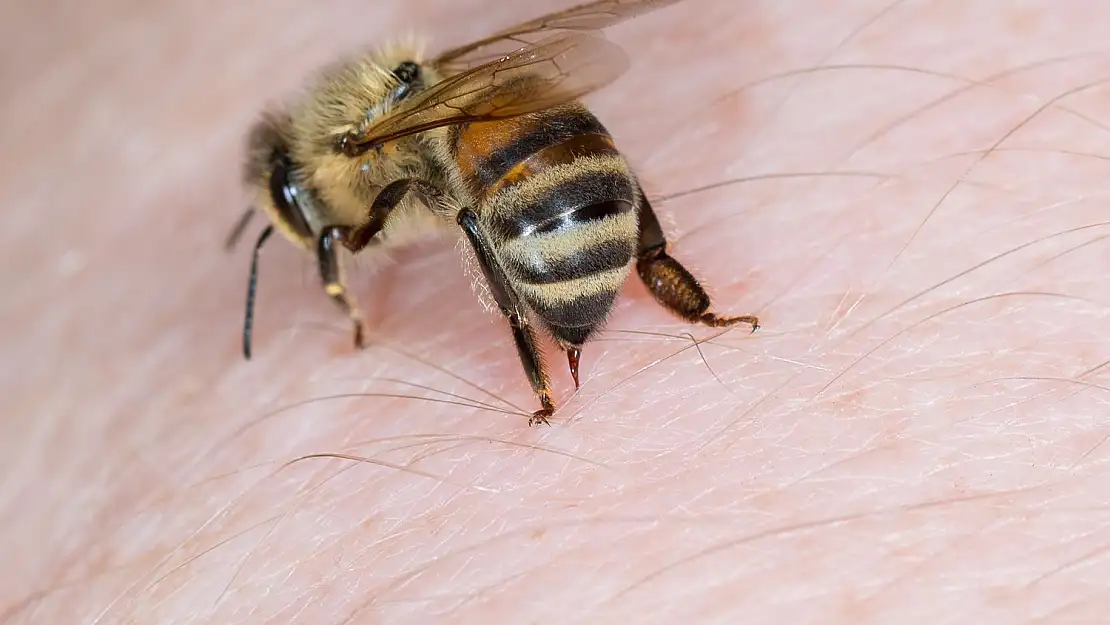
(248, 321)
(237, 232)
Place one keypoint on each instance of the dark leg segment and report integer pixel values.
(525, 339)
(356, 239)
(327, 254)
(388, 199)
(672, 284)
(248, 320)
(327, 257)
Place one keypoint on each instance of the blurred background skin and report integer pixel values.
(915, 436)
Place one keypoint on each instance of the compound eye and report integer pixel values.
(409, 75)
(346, 146)
(285, 197)
(407, 72)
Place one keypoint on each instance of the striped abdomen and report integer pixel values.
(558, 203)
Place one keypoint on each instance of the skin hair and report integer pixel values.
(916, 435)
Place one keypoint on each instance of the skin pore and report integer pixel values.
(917, 434)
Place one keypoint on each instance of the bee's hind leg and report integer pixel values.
(672, 285)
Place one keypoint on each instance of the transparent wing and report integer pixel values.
(558, 69)
(588, 17)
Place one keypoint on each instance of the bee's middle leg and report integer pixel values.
(523, 335)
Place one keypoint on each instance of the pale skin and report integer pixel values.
(917, 434)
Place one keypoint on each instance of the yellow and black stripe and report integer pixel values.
(558, 203)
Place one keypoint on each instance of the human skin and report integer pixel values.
(917, 434)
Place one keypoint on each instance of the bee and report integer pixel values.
(489, 138)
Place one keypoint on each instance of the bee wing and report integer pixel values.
(588, 17)
(556, 70)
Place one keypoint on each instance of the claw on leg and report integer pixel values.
(672, 285)
(360, 340)
(542, 416)
(714, 321)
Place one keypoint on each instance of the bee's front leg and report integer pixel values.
(356, 239)
(331, 273)
(386, 201)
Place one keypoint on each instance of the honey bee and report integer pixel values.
(489, 138)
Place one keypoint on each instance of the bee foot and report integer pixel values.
(540, 417)
(714, 321)
(360, 338)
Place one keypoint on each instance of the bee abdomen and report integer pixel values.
(574, 221)
(492, 154)
(566, 198)
(559, 204)
(568, 238)
(598, 257)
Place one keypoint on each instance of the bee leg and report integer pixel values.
(670, 283)
(355, 239)
(327, 257)
(388, 199)
(523, 334)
